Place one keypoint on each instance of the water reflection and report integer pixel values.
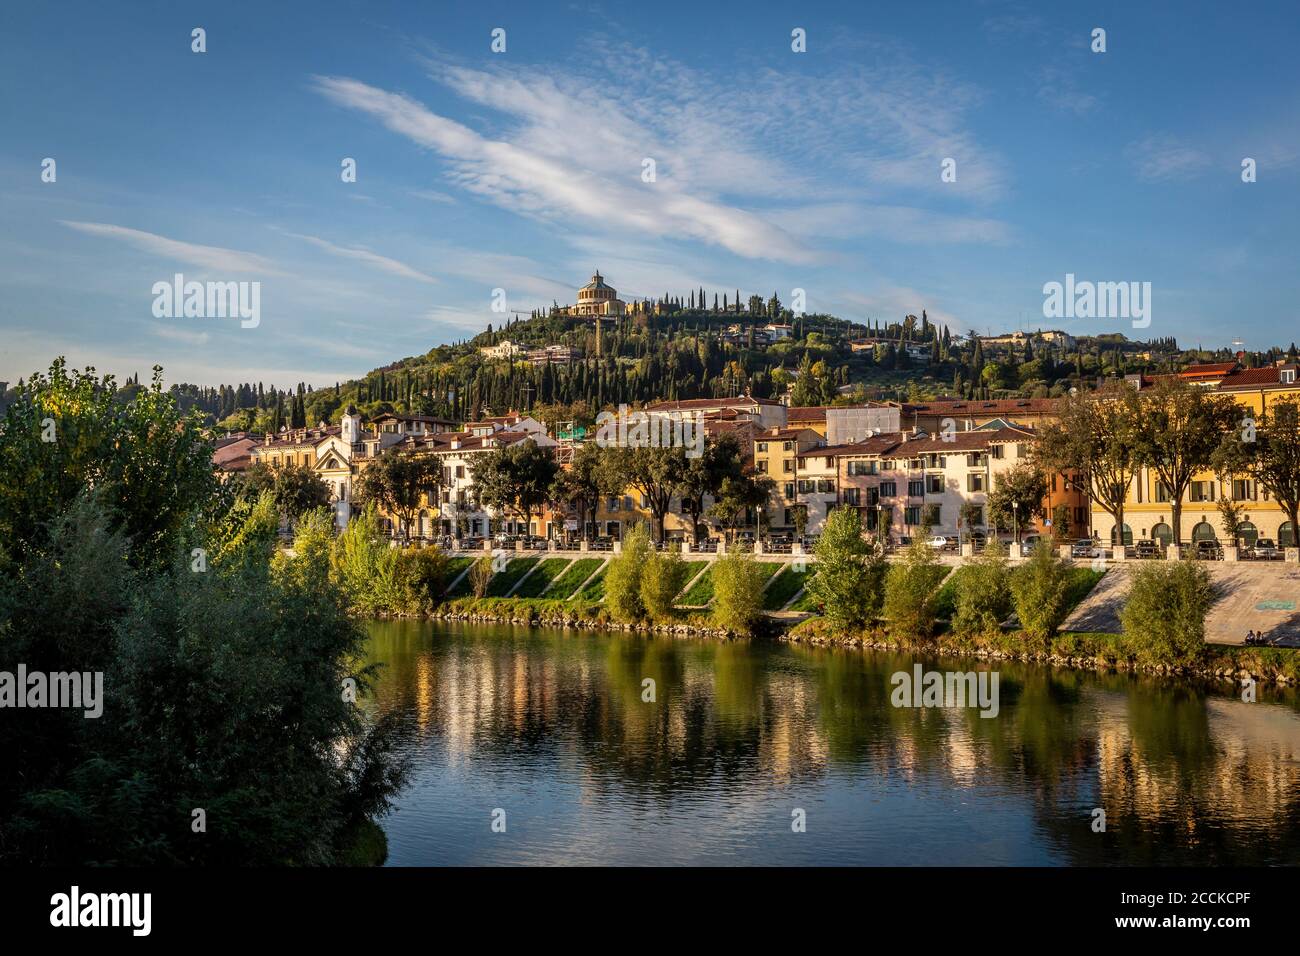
(551, 726)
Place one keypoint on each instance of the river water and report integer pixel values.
(765, 753)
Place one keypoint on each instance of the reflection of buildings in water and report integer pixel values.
(425, 693)
(1245, 772)
(791, 745)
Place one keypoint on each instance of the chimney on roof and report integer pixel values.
(455, 444)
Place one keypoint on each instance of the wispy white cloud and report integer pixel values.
(383, 263)
(432, 195)
(1163, 158)
(532, 183)
(215, 258)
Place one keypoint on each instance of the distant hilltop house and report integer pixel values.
(511, 351)
(1018, 339)
(916, 351)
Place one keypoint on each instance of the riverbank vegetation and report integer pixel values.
(229, 733)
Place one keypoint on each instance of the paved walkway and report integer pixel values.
(1249, 596)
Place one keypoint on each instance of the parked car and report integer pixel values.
(1085, 548)
(1146, 549)
(1265, 549)
(1029, 543)
(938, 542)
(1208, 549)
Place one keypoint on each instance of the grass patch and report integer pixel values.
(701, 592)
(807, 602)
(692, 568)
(455, 566)
(569, 581)
(785, 586)
(503, 581)
(1082, 581)
(536, 610)
(546, 572)
(595, 589)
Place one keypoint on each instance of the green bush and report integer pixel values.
(911, 588)
(623, 579)
(1040, 593)
(1164, 616)
(738, 592)
(982, 598)
(364, 567)
(662, 577)
(422, 576)
(850, 572)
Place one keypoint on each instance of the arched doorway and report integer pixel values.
(1247, 534)
(1286, 535)
(1203, 532)
(1163, 533)
(1128, 535)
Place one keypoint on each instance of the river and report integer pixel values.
(767, 753)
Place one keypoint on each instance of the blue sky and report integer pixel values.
(522, 170)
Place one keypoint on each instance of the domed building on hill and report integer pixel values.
(598, 298)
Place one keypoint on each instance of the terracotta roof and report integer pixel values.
(808, 413)
(1209, 369)
(302, 436)
(1251, 378)
(689, 403)
(997, 406)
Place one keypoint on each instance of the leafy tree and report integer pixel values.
(983, 587)
(623, 577)
(1040, 590)
(704, 476)
(737, 592)
(1178, 430)
(656, 473)
(68, 431)
(400, 483)
(662, 576)
(517, 479)
(850, 572)
(911, 589)
(1268, 451)
(582, 485)
(1017, 497)
(296, 489)
(480, 576)
(1164, 616)
(738, 495)
(1096, 436)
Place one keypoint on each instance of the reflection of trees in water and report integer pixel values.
(1182, 777)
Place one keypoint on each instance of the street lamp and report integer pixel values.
(1015, 522)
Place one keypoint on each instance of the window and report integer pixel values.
(934, 484)
(889, 489)
(1162, 491)
(1020, 451)
(975, 481)
(995, 451)
(806, 485)
(762, 446)
(912, 516)
(862, 468)
(787, 446)
(852, 496)
(789, 489)
(761, 466)
(787, 466)
(825, 485)
(1201, 491)
(976, 459)
(1287, 376)
(915, 489)
(830, 462)
(1243, 489)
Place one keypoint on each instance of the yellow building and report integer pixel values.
(1147, 512)
(776, 455)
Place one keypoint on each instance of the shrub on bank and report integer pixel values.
(738, 592)
(982, 598)
(911, 588)
(850, 572)
(623, 577)
(1040, 593)
(662, 576)
(1164, 616)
